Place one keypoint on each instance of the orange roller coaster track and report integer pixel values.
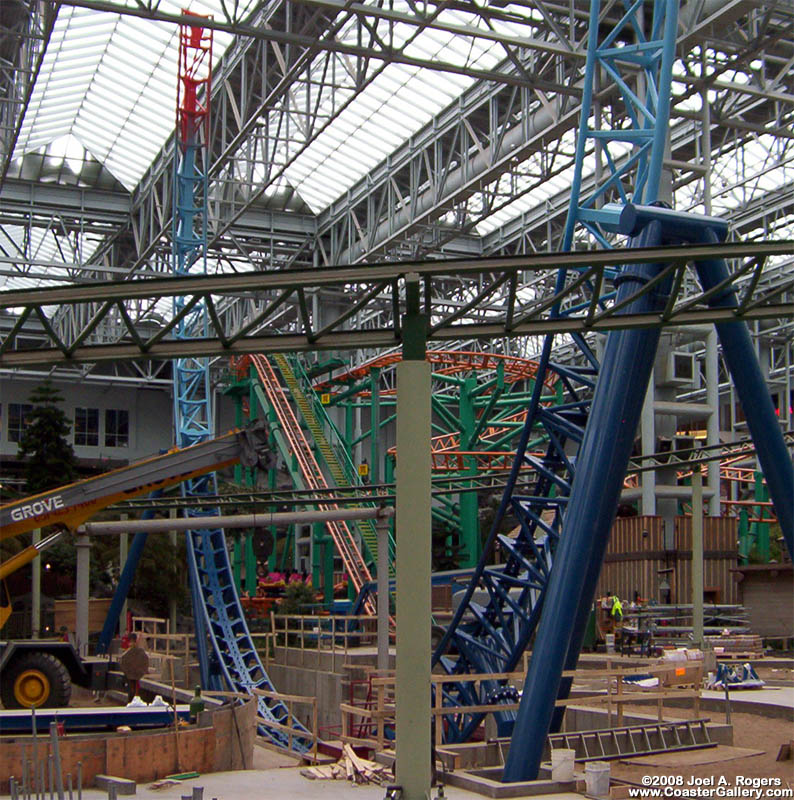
(343, 537)
(446, 362)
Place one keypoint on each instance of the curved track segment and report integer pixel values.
(490, 630)
(234, 660)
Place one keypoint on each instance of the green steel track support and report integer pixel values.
(761, 529)
(342, 477)
(374, 426)
(469, 508)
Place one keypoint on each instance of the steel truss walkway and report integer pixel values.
(226, 336)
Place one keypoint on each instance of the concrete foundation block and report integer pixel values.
(123, 786)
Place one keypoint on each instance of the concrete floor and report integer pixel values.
(774, 696)
(279, 782)
(276, 775)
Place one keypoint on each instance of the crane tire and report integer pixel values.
(35, 680)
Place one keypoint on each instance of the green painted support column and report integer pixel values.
(744, 536)
(239, 477)
(272, 478)
(349, 428)
(317, 557)
(388, 477)
(323, 562)
(374, 436)
(469, 511)
(243, 550)
(412, 695)
(328, 568)
(250, 563)
(761, 493)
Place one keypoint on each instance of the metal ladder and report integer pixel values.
(633, 740)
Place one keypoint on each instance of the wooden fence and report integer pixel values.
(675, 682)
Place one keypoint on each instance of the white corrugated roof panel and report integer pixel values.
(109, 81)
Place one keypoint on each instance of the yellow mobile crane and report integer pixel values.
(37, 673)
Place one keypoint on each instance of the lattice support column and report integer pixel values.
(227, 655)
(636, 56)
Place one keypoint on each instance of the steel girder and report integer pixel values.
(26, 29)
(245, 158)
(238, 109)
(95, 214)
(283, 295)
(275, 92)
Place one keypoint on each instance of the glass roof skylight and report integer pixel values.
(109, 81)
(103, 105)
(395, 105)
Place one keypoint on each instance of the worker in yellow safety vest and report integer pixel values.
(617, 609)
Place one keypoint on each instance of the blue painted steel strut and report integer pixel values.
(227, 655)
(125, 582)
(748, 380)
(604, 454)
(605, 450)
(489, 635)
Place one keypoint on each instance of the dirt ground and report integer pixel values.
(750, 732)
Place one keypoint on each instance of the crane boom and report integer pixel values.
(73, 504)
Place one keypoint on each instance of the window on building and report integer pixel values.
(86, 427)
(17, 419)
(117, 427)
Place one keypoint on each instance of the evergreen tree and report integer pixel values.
(49, 456)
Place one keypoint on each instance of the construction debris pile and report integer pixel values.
(351, 767)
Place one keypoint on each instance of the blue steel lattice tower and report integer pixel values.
(565, 500)
(227, 655)
(490, 636)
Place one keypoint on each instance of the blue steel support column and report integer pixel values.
(748, 380)
(490, 635)
(125, 581)
(603, 457)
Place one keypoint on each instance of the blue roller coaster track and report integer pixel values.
(228, 658)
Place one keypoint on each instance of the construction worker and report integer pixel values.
(134, 664)
(617, 609)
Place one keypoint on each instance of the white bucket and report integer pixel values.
(562, 761)
(610, 641)
(596, 778)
